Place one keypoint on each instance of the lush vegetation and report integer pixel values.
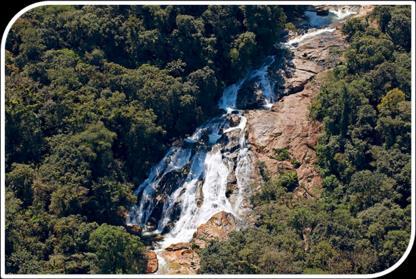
(94, 94)
(361, 223)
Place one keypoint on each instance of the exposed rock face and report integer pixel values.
(152, 262)
(181, 259)
(218, 227)
(310, 57)
(231, 141)
(288, 124)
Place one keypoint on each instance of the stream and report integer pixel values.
(192, 181)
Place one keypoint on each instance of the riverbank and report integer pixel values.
(286, 125)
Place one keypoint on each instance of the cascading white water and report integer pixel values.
(229, 97)
(201, 165)
(342, 13)
(295, 41)
(265, 83)
(201, 156)
(334, 14)
(242, 172)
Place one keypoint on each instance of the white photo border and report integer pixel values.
(102, 3)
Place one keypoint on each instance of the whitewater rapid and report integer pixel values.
(206, 164)
(189, 185)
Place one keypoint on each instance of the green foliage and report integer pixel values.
(290, 26)
(361, 222)
(244, 51)
(289, 180)
(20, 182)
(117, 251)
(263, 171)
(367, 51)
(354, 27)
(94, 96)
(396, 23)
(295, 163)
(281, 154)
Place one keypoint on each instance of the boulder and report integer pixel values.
(219, 226)
(152, 262)
(181, 246)
(234, 119)
(231, 141)
(297, 81)
(181, 259)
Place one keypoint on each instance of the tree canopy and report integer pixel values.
(362, 221)
(94, 96)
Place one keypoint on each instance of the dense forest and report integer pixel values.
(361, 224)
(94, 96)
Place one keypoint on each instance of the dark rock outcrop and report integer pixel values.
(134, 229)
(250, 95)
(322, 10)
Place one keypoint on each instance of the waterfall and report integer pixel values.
(189, 185)
(342, 12)
(295, 41)
(201, 166)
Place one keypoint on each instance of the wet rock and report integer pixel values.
(156, 212)
(231, 179)
(152, 262)
(174, 215)
(232, 141)
(231, 188)
(177, 142)
(322, 10)
(250, 95)
(218, 227)
(234, 119)
(231, 184)
(134, 229)
(199, 196)
(310, 57)
(151, 226)
(170, 181)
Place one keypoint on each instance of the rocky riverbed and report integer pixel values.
(294, 77)
(288, 126)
